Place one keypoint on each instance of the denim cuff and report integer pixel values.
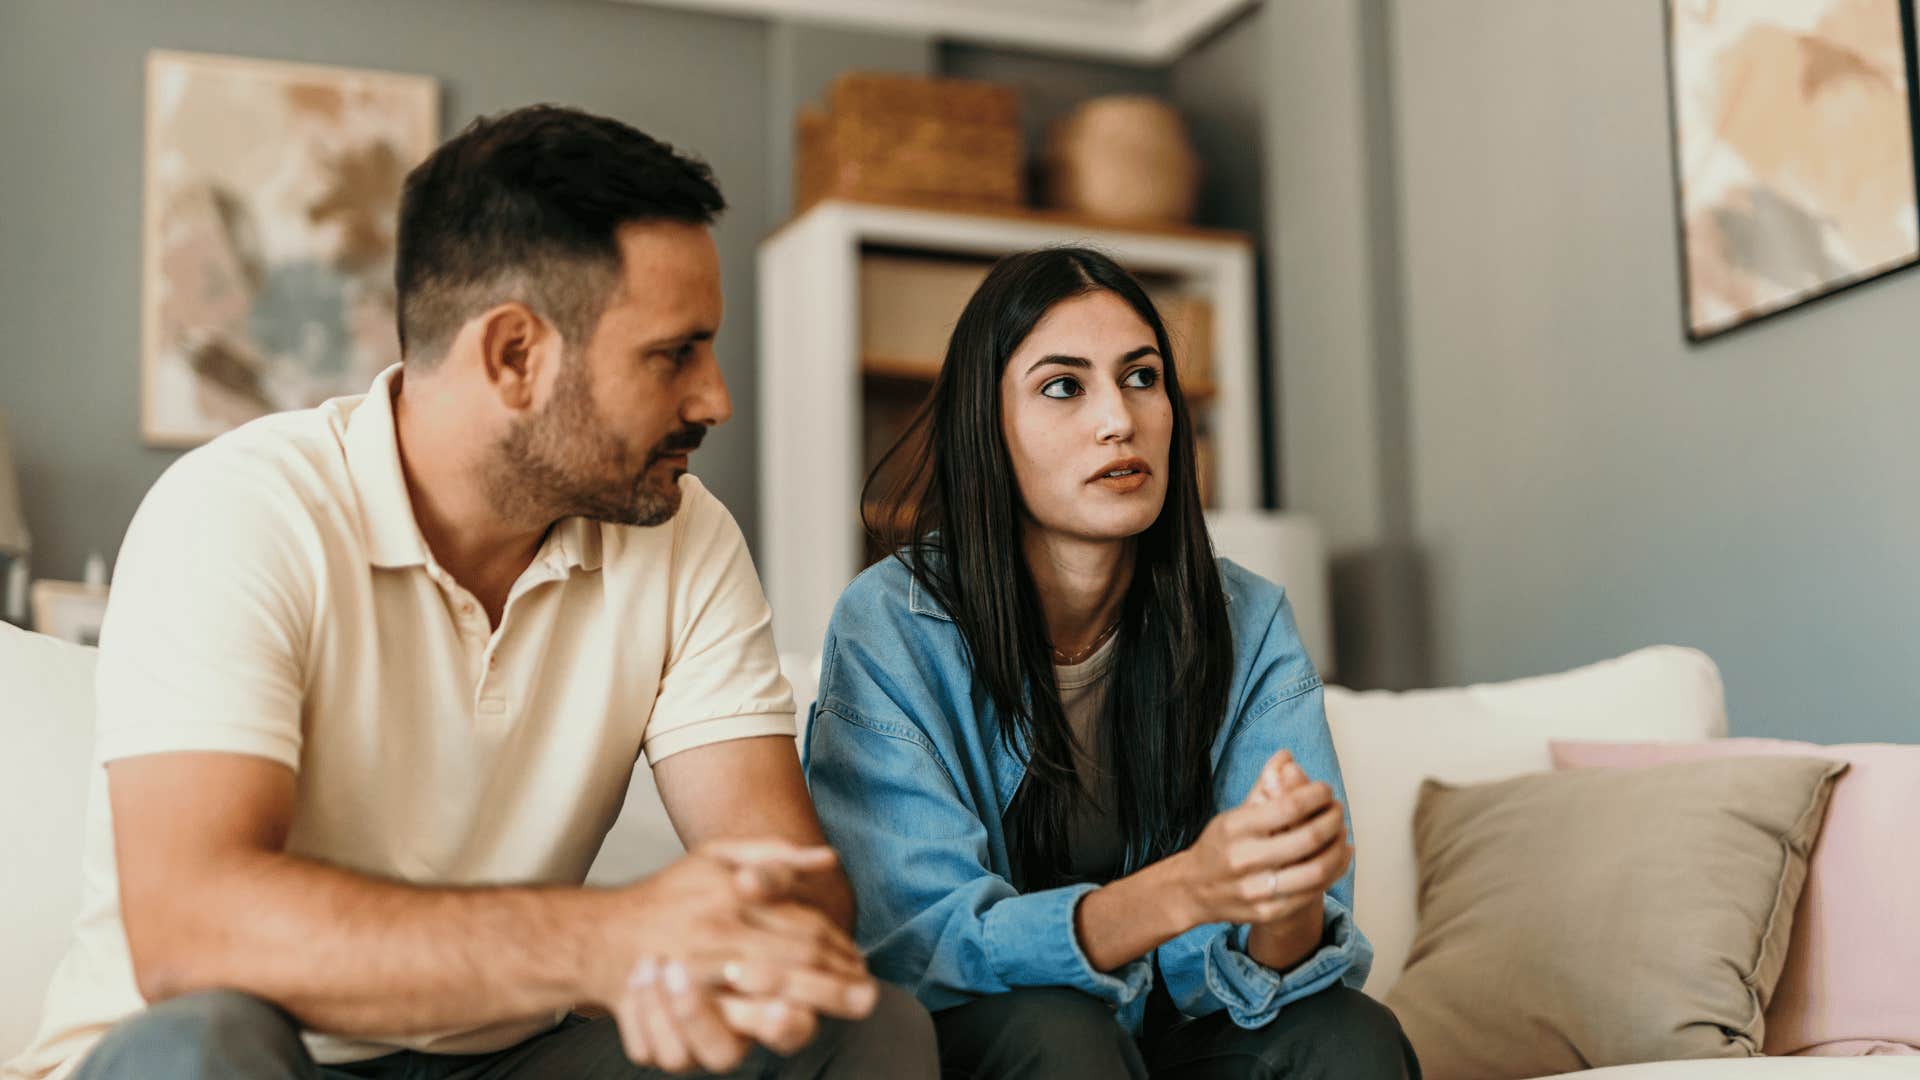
(1254, 994)
(1031, 941)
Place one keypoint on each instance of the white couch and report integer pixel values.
(1387, 743)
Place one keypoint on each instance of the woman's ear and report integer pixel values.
(516, 344)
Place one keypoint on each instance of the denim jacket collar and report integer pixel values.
(922, 603)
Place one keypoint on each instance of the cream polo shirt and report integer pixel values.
(274, 597)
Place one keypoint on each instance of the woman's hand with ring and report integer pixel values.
(1273, 855)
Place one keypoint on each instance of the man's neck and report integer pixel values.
(466, 533)
(1081, 584)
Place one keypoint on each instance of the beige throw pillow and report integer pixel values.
(1602, 917)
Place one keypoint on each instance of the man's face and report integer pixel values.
(627, 408)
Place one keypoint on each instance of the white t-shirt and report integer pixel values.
(274, 597)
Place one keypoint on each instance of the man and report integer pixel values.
(375, 675)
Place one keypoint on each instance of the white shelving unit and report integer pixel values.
(811, 378)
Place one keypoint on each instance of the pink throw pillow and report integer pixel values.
(1849, 986)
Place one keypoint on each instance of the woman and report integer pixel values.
(1077, 769)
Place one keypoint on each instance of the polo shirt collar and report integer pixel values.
(573, 544)
(387, 523)
(391, 532)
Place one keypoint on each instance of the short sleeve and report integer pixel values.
(722, 679)
(204, 641)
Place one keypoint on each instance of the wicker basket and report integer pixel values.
(1126, 158)
(905, 138)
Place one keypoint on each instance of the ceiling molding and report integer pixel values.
(1178, 25)
(1139, 31)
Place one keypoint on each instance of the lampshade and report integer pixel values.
(14, 539)
(1289, 550)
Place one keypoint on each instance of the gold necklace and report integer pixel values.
(1063, 660)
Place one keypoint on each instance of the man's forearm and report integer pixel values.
(833, 895)
(355, 955)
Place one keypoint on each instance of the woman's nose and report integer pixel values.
(1116, 420)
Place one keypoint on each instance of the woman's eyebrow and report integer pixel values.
(1082, 362)
(1061, 359)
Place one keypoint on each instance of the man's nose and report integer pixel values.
(711, 403)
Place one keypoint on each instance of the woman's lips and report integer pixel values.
(1123, 484)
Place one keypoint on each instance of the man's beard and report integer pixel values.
(561, 462)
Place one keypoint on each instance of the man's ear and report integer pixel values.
(515, 345)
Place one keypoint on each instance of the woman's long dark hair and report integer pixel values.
(944, 500)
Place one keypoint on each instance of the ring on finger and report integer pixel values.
(1273, 883)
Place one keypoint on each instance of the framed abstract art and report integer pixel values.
(272, 193)
(1794, 131)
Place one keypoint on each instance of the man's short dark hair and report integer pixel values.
(524, 206)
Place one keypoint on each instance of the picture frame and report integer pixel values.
(69, 610)
(1796, 153)
(271, 202)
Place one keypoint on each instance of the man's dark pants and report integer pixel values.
(233, 1035)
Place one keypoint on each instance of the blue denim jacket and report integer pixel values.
(911, 778)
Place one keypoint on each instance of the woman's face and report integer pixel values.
(1088, 423)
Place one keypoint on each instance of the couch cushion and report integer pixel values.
(46, 728)
(1606, 916)
(1388, 743)
(1849, 986)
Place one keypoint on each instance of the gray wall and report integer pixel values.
(1487, 399)
(802, 59)
(1473, 289)
(1583, 481)
(72, 91)
(1294, 104)
(71, 82)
